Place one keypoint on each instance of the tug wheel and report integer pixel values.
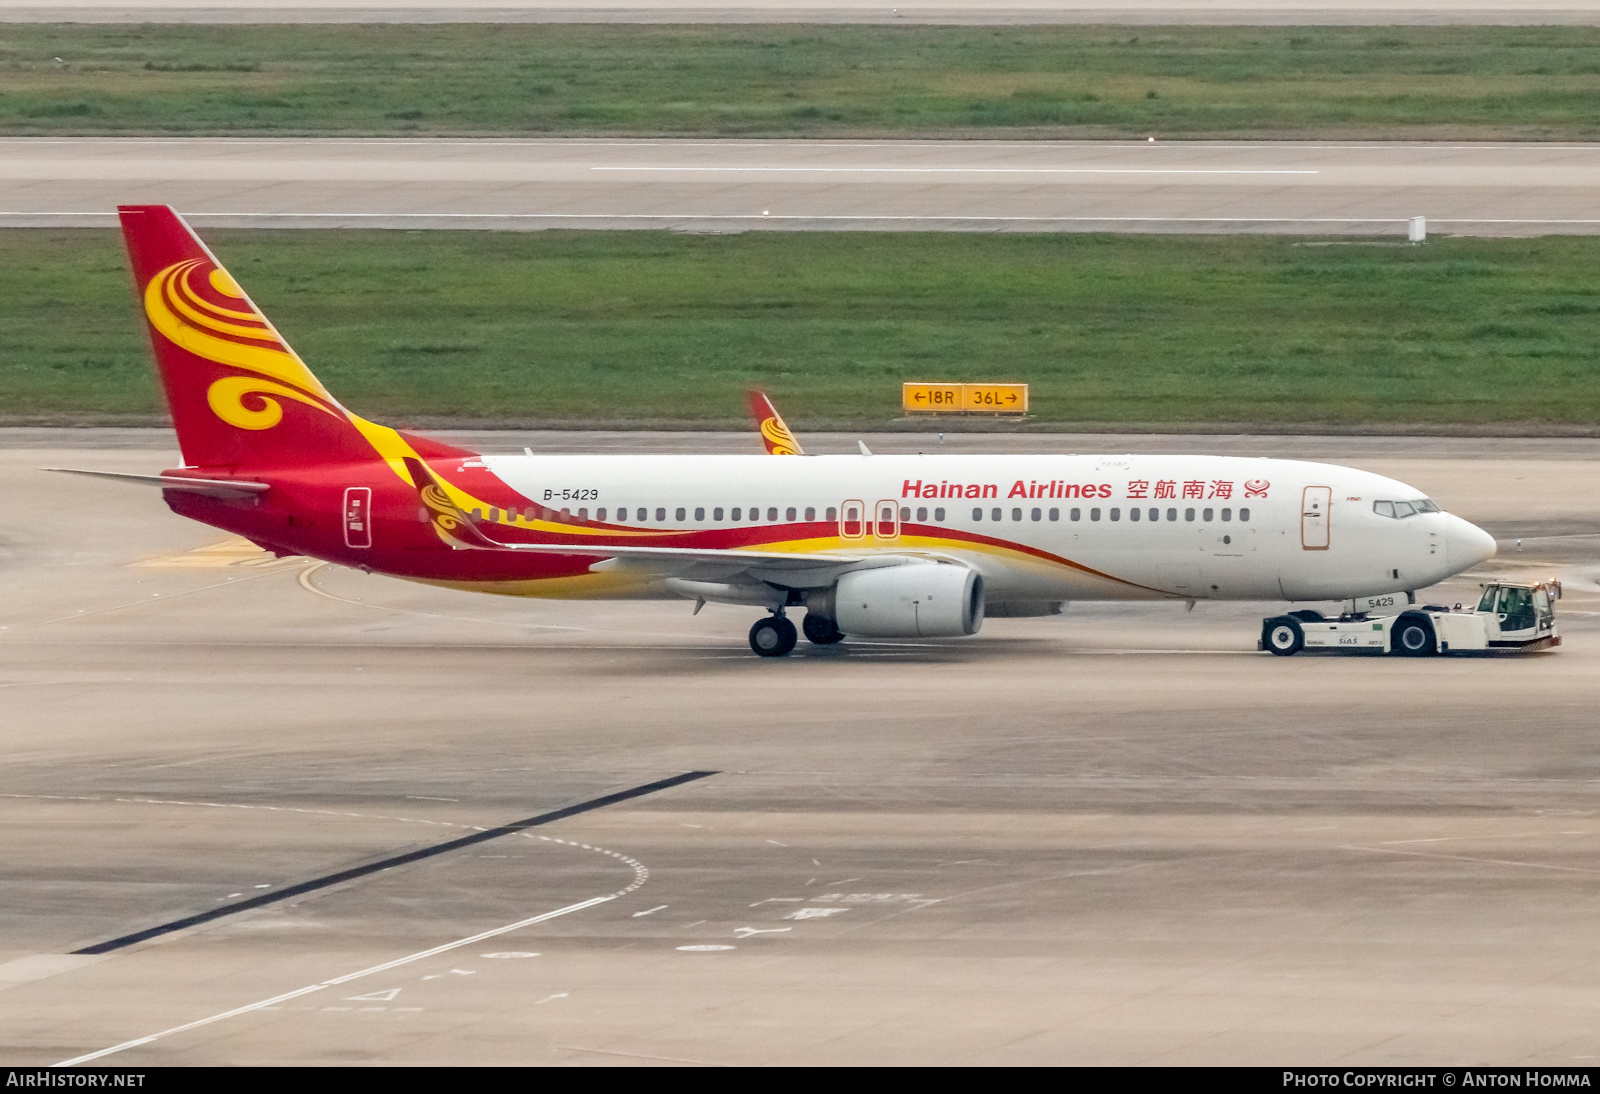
(1413, 638)
(1283, 636)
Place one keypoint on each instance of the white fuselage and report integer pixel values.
(1040, 527)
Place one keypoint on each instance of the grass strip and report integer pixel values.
(1412, 82)
(652, 327)
(640, 327)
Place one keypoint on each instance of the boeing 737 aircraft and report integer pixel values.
(868, 545)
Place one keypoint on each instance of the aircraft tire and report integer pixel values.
(820, 630)
(773, 636)
(1413, 637)
(1283, 636)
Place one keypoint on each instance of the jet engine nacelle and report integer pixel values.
(913, 601)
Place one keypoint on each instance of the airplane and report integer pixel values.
(868, 546)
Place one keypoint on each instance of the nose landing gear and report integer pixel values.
(773, 636)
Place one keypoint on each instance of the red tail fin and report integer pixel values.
(774, 434)
(240, 397)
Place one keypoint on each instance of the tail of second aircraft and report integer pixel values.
(240, 396)
(774, 434)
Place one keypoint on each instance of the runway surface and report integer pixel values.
(735, 185)
(1148, 12)
(1109, 837)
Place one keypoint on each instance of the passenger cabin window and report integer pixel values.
(1207, 515)
(1172, 514)
(736, 513)
(661, 514)
(682, 514)
(994, 514)
(905, 513)
(938, 515)
(1076, 514)
(699, 514)
(1055, 514)
(1094, 514)
(811, 513)
(789, 514)
(832, 515)
(583, 514)
(1188, 514)
(1227, 515)
(1133, 514)
(1244, 514)
(1116, 514)
(772, 514)
(1037, 514)
(922, 514)
(977, 514)
(716, 514)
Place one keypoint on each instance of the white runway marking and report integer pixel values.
(973, 170)
(1471, 858)
(336, 981)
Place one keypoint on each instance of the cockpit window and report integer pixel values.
(1400, 510)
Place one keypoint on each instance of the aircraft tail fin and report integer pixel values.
(774, 434)
(240, 396)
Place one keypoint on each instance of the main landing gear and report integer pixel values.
(820, 630)
(775, 636)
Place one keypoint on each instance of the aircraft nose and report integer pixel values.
(1466, 544)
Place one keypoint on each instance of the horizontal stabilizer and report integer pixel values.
(211, 488)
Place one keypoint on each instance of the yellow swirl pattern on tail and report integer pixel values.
(184, 317)
(780, 442)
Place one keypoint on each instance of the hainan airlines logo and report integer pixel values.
(780, 442)
(1256, 488)
(443, 514)
(197, 306)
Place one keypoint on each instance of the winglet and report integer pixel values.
(774, 434)
(449, 523)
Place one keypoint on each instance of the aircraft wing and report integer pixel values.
(685, 554)
(454, 529)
